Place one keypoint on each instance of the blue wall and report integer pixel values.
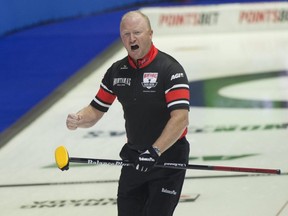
(16, 14)
(36, 61)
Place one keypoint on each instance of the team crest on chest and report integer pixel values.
(149, 80)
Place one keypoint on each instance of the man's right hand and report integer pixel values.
(72, 121)
(85, 118)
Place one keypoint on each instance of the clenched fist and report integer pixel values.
(72, 121)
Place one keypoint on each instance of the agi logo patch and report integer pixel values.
(149, 80)
(176, 76)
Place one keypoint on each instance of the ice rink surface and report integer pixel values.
(238, 117)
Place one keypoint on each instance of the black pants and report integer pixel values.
(155, 193)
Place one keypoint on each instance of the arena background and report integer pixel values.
(45, 43)
(52, 58)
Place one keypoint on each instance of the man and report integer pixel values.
(153, 90)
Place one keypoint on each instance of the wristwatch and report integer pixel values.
(157, 150)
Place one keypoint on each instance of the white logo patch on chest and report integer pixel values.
(149, 80)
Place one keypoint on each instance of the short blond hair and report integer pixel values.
(137, 12)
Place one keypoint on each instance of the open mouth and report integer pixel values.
(134, 47)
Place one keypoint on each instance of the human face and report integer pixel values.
(136, 36)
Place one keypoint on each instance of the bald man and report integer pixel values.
(153, 90)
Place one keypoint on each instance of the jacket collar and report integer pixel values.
(146, 60)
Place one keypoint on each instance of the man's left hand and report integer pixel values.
(146, 160)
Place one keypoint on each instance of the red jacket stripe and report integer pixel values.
(184, 133)
(177, 94)
(105, 96)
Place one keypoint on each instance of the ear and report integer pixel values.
(151, 34)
